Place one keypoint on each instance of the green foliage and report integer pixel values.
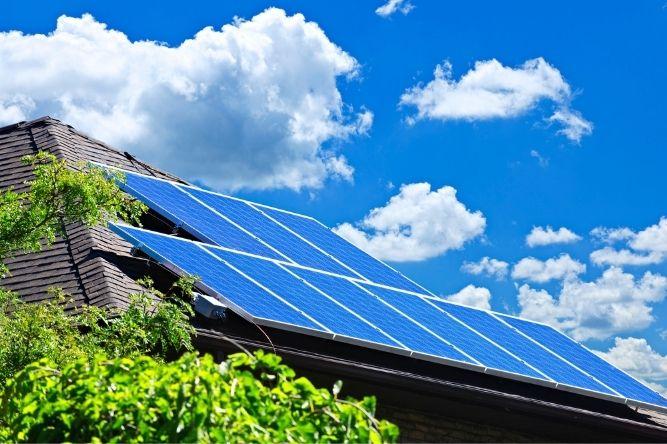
(59, 195)
(154, 323)
(87, 377)
(34, 331)
(245, 399)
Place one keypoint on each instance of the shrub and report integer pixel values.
(244, 399)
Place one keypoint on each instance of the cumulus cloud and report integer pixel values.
(254, 104)
(392, 6)
(612, 235)
(535, 270)
(416, 224)
(478, 297)
(614, 303)
(493, 91)
(487, 266)
(612, 256)
(540, 236)
(646, 247)
(637, 357)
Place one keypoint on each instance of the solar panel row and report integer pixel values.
(291, 296)
(260, 230)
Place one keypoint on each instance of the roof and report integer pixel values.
(92, 265)
(97, 267)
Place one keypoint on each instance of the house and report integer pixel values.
(427, 400)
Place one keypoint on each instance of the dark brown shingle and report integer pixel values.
(92, 265)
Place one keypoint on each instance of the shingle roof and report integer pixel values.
(92, 265)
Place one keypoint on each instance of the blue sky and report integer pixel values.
(518, 170)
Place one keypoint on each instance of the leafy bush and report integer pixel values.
(154, 323)
(244, 399)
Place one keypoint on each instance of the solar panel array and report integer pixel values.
(288, 271)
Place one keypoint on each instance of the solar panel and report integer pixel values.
(288, 271)
(260, 230)
(530, 352)
(189, 258)
(280, 238)
(459, 334)
(293, 297)
(578, 355)
(341, 249)
(294, 290)
(177, 206)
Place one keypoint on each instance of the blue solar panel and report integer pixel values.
(270, 232)
(293, 290)
(328, 241)
(266, 291)
(586, 360)
(524, 348)
(179, 207)
(384, 317)
(230, 285)
(453, 331)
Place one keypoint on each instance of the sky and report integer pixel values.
(508, 156)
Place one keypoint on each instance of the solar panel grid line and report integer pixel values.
(564, 386)
(629, 400)
(492, 370)
(329, 255)
(205, 220)
(346, 308)
(289, 243)
(371, 268)
(382, 262)
(235, 224)
(268, 290)
(419, 324)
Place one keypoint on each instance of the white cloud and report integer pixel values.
(614, 303)
(574, 126)
(535, 270)
(478, 297)
(487, 266)
(392, 6)
(612, 235)
(416, 224)
(253, 104)
(646, 247)
(539, 236)
(637, 357)
(653, 238)
(493, 91)
(611, 256)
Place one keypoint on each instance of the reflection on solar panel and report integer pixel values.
(290, 272)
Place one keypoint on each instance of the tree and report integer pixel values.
(57, 196)
(116, 375)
